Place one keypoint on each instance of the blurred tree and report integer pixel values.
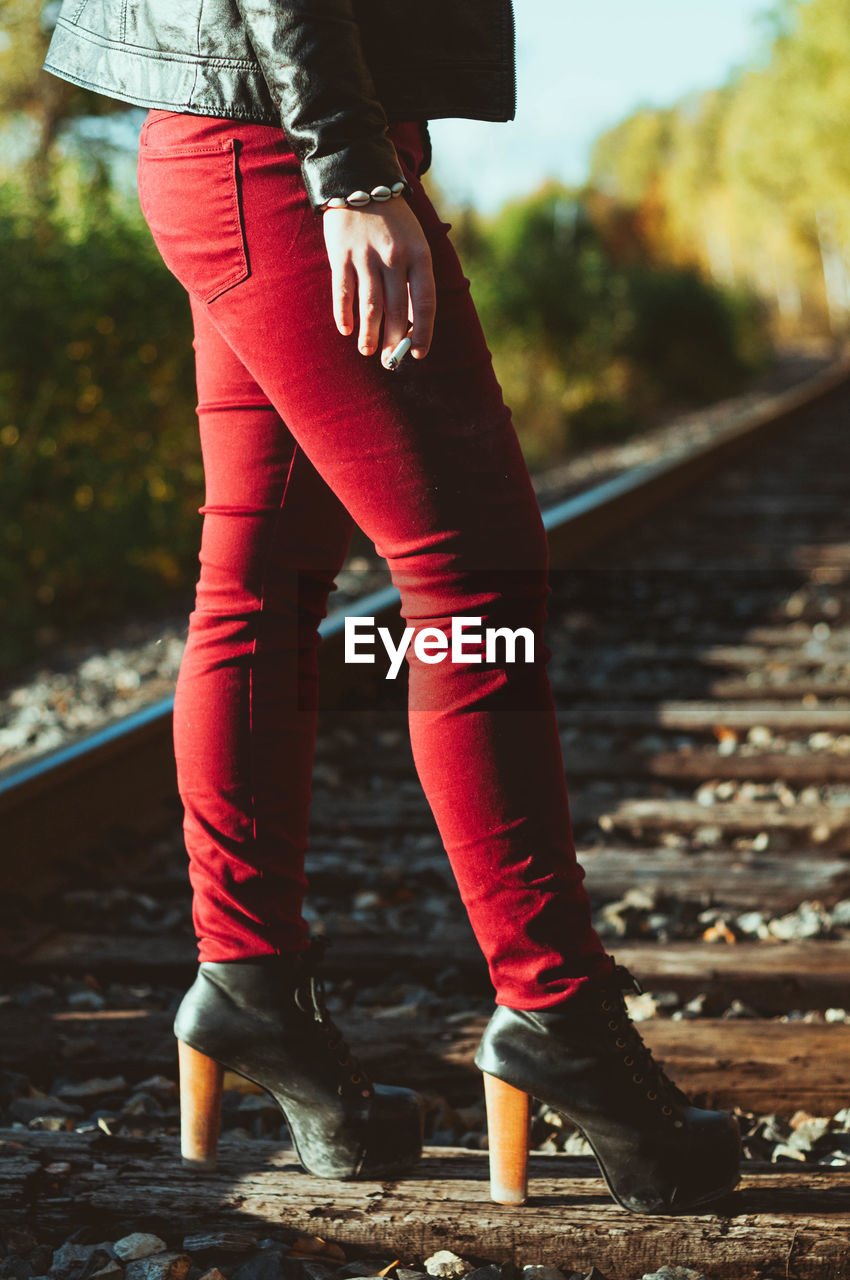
(590, 328)
(37, 108)
(628, 159)
(751, 182)
(100, 470)
(787, 147)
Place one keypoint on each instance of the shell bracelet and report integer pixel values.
(357, 199)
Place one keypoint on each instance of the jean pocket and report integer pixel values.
(190, 197)
(155, 116)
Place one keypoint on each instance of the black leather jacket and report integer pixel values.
(332, 73)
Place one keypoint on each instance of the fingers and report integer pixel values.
(423, 304)
(384, 262)
(344, 288)
(395, 311)
(371, 296)
(410, 299)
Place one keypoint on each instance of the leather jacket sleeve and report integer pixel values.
(312, 59)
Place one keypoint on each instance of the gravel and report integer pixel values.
(284, 1255)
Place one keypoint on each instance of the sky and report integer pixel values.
(583, 65)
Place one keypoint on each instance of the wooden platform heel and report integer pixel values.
(200, 1107)
(585, 1059)
(508, 1127)
(265, 1018)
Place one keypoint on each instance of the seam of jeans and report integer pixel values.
(261, 870)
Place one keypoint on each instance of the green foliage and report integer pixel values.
(552, 309)
(684, 334)
(548, 276)
(585, 345)
(100, 474)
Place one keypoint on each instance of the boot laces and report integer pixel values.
(637, 1053)
(310, 996)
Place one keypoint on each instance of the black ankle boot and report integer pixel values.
(586, 1059)
(265, 1018)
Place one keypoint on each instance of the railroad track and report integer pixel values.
(700, 629)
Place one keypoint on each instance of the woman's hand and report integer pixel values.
(380, 254)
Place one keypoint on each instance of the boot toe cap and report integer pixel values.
(715, 1168)
(396, 1132)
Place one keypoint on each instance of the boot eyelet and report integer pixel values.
(606, 1004)
(638, 1078)
(668, 1111)
(620, 1042)
(678, 1123)
(613, 1024)
(630, 1062)
(650, 1093)
(356, 1078)
(365, 1093)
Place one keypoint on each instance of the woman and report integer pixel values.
(279, 173)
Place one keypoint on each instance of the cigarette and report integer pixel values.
(398, 353)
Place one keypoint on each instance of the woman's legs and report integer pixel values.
(427, 462)
(274, 538)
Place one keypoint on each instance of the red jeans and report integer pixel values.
(301, 436)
